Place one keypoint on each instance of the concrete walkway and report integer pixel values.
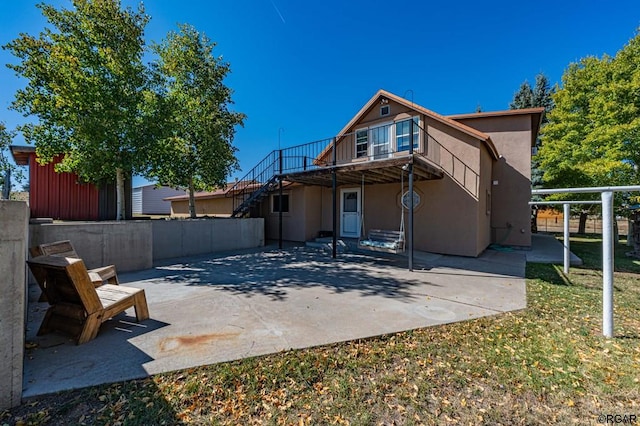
(546, 248)
(229, 306)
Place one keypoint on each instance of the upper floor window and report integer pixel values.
(385, 110)
(362, 143)
(403, 135)
(380, 141)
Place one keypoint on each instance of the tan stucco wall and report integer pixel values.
(222, 206)
(313, 211)
(451, 220)
(444, 222)
(511, 188)
(456, 152)
(293, 223)
(484, 200)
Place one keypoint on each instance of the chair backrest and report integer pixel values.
(58, 248)
(65, 280)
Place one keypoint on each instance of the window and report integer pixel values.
(402, 134)
(362, 143)
(385, 110)
(350, 202)
(275, 203)
(380, 141)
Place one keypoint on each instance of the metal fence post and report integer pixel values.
(607, 263)
(334, 187)
(280, 200)
(567, 242)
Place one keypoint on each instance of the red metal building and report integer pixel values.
(62, 196)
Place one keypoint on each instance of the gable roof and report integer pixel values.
(435, 116)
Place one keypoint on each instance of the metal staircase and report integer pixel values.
(255, 197)
(255, 186)
(265, 177)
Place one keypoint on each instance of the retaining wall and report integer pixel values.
(135, 244)
(14, 219)
(126, 244)
(178, 238)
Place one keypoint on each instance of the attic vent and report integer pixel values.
(384, 110)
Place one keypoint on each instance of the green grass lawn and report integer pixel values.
(547, 363)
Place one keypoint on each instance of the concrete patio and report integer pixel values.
(229, 306)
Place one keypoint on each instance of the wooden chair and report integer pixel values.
(77, 306)
(65, 249)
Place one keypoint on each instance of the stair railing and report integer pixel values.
(319, 154)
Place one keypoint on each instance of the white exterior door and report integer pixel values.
(350, 210)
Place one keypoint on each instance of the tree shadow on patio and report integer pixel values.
(276, 272)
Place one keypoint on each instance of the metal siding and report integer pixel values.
(152, 199)
(59, 195)
(136, 201)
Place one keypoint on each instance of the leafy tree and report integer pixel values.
(541, 95)
(86, 84)
(196, 150)
(593, 134)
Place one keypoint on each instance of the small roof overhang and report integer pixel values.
(536, 115)
(21, 154)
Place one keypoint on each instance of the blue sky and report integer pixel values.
(308, 67)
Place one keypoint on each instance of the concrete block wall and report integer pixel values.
(135, 245)
(127, 244)
(178, 238)
(14, 220)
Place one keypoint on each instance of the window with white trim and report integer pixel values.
(362, 143)
(380, 141)
(403, 135)
(275, 203)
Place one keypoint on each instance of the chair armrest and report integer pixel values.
(105, 273)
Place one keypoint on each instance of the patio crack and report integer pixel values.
(275, 331)
(467, 304)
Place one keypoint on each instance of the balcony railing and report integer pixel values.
(373, 144)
